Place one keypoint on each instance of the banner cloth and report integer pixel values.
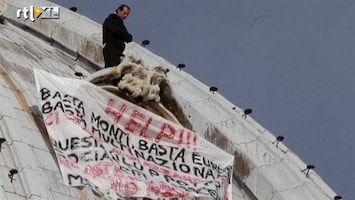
(122, 150)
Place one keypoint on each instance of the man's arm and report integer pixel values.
(125, 36)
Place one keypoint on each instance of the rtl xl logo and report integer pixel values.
(41, 12)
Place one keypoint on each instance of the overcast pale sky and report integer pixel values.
(291, 61)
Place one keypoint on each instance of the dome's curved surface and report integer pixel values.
(263, 168)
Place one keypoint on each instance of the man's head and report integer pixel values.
(123, 11)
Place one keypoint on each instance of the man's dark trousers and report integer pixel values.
(112, 55)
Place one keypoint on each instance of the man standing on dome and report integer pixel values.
(115, 35)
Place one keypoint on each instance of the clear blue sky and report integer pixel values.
(291, 61)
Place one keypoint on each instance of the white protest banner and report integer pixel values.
(122, 150)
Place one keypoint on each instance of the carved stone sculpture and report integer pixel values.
(143, 86)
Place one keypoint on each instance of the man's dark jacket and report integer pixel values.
(115, 32)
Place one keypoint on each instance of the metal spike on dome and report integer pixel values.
(278, 139)
(180, 66)
(309, 167)
(145, 43)
(338, 197)
(74, 9)
(11, 174)
(78, 74)
(247, 112)
(2, 140)
(213, 89)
